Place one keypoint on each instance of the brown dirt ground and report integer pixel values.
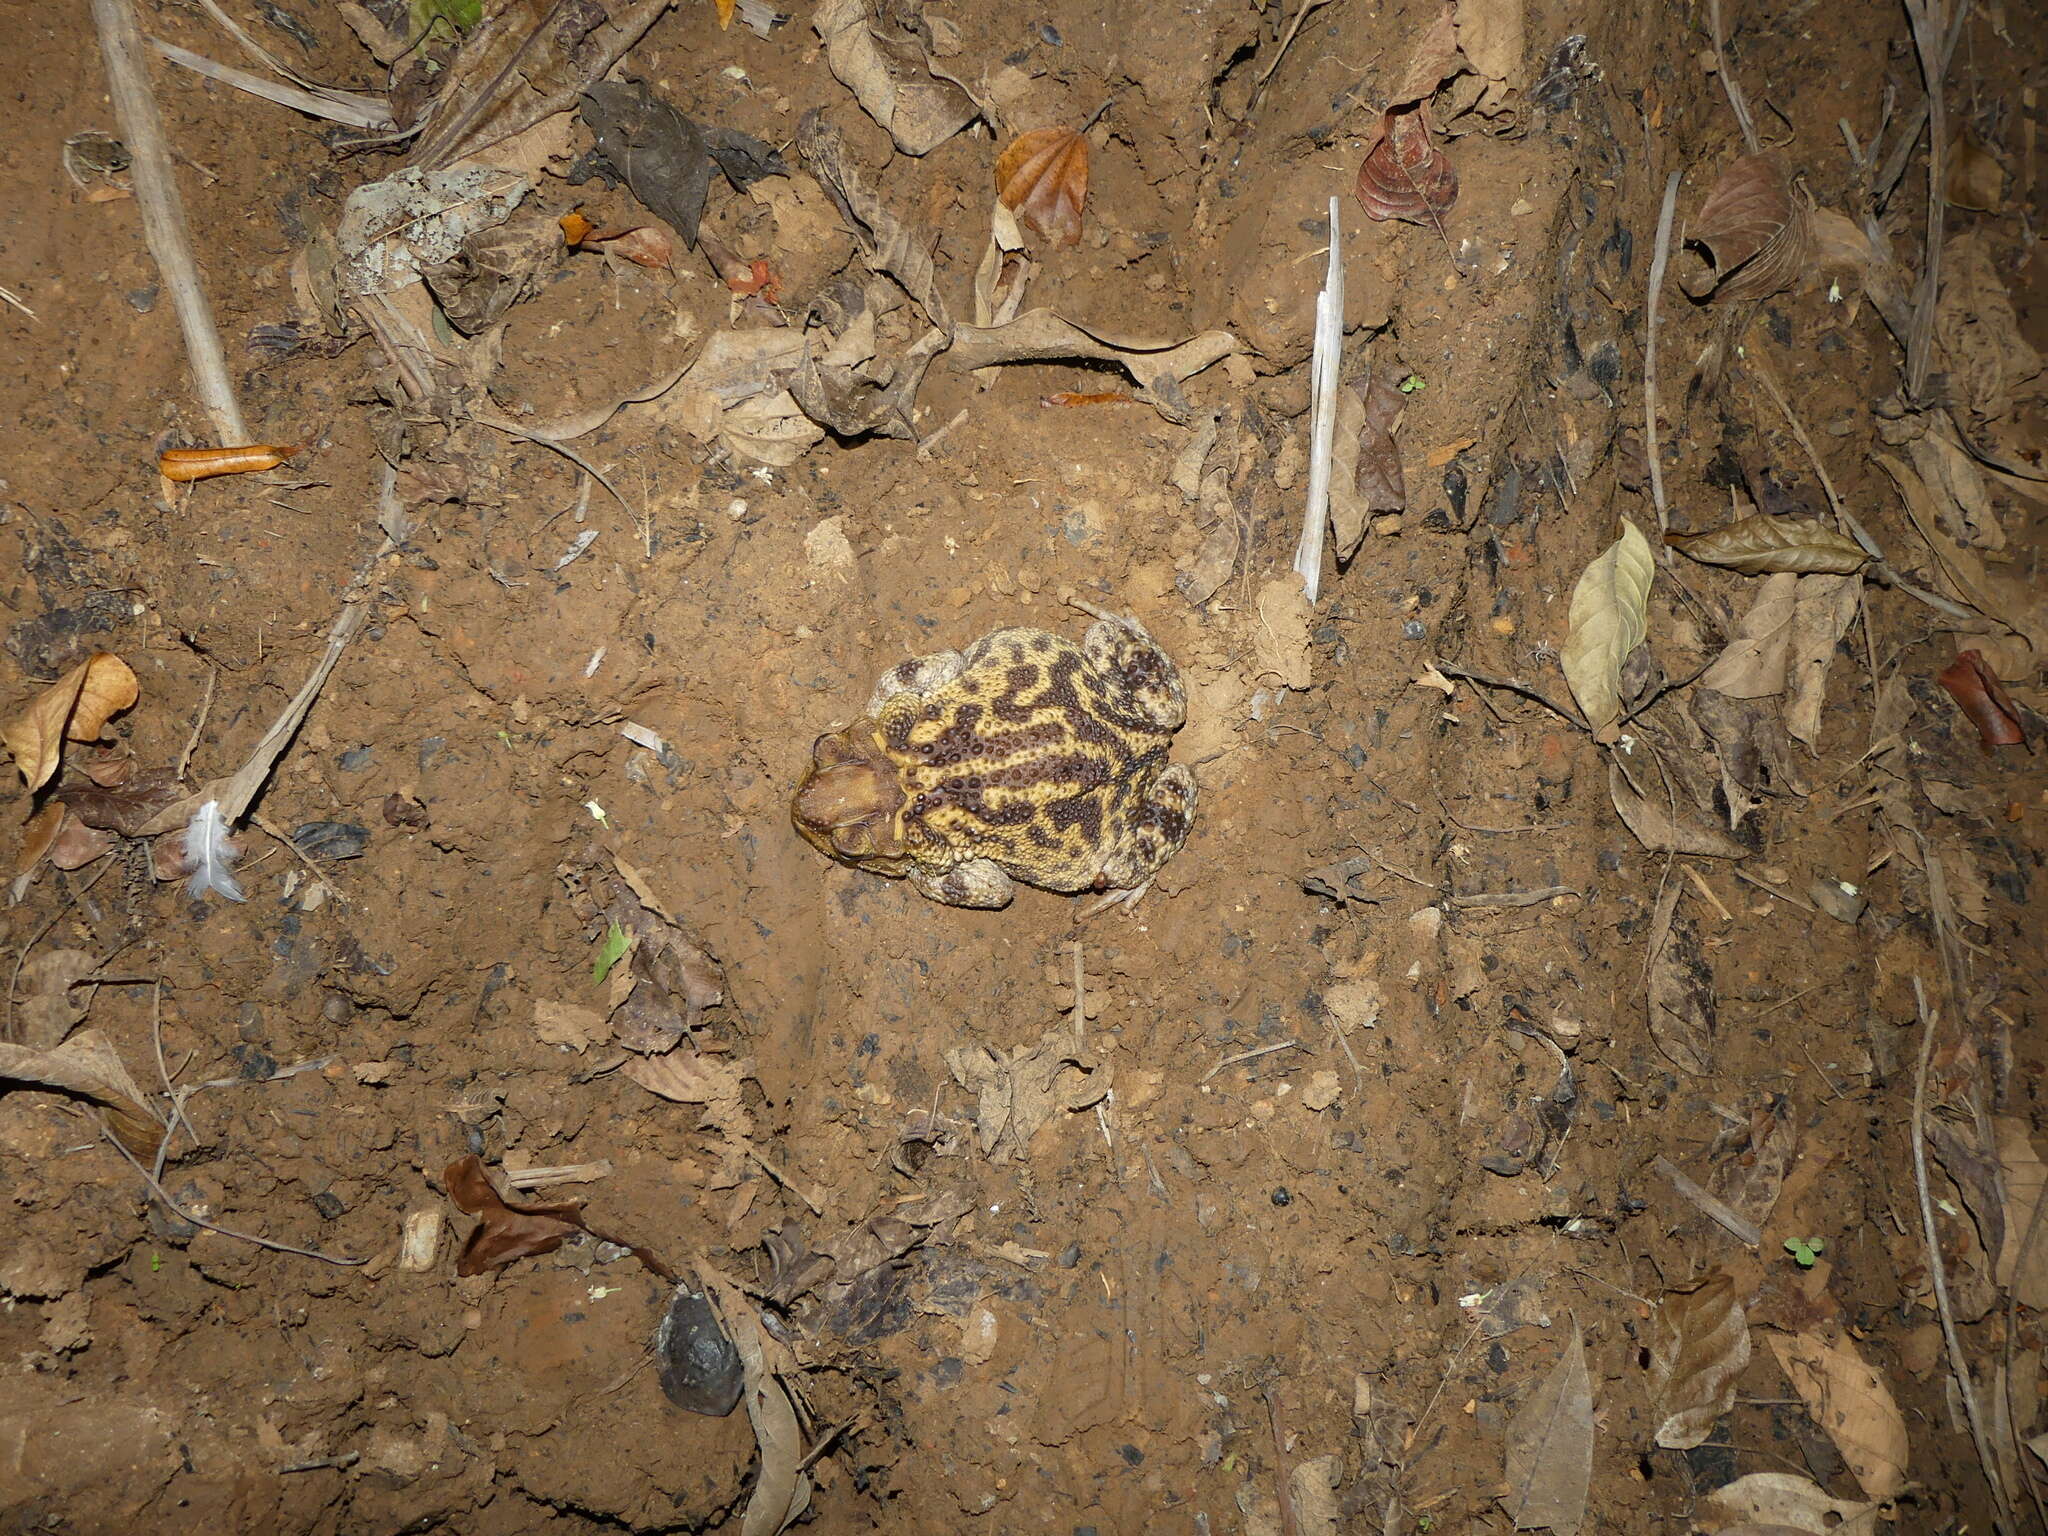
(1152, 1308)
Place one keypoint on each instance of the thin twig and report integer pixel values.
(182, 1214)
(1737, 1224)
(1737, 102)
(1282, 1493)
(1513, 685)
(1937, 1268)
(163, 213)
(1658, 258)
(1231, 1061)
(199, 723)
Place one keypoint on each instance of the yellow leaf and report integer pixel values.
(77, 706)
(725, 10)
(1606, 624)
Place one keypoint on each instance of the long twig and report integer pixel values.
(163, 213)
(1737, 102)
(1935, 50)
(182, 1214)
(1938, 1270)
(1658, 258)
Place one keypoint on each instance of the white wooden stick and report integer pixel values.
(1322, 395)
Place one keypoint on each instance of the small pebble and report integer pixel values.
(1281, 1197)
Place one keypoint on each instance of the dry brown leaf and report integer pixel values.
(1040, 335)
(1753, 664)
(1682, 1007)
(1766, 546)
(1965, 502)
(1664, 831)
(1043, 178)
(1607, 610)
(51, 1000)
(1849, 1399)
(1432, 61)
(1699, 1345)
(782, 1490)
(76, 708)
(1023, 1089)
(725, 9)
(886, 62)
(1988, 359)
(1756, 231)
(1975, 178)
(1776, 1501)
(559, 1023)
(1490, 35)
(1404, 175)
(87, 1065)
(1365, 463)
(1821, 615)
(1550, 1448)
(510, 1230)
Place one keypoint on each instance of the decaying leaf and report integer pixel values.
(1975, 178)
(1404, 175)
(74, 708)
(666, 158)
(1682, 1005)
(1821, 614)
(1286, 624)
(1777, 1501)
(1848, 1398)
(2022, 1266)
(1980, 695)
(1662, 830)
(886, 62)
(1208, 566)
(508, 1232)
(1040, 335)
(1752, 666)
(1022, 1089)
(1607, 613)
(782, 1490)
(1432, 59)
(88, 1066)
(1699, 1345)
(1756, 231)
(1762, 546)
(528, 60)
(1550, 1448)
(50, 1000)
(736, 392)
(1988, 359)
(394, 230)
(1964, 497)
(1491, 35)
(886, 242)
(1043, 178)
(494, 269)
(1366, 478)
(853, 401)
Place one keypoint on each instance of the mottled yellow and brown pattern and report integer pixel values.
(1024, 757)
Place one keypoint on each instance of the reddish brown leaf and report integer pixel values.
(1757, 232)
(1043, 179)
(1404, 175)
(1980, 695)
(1434, 60)
(128, 808)
(78, 845)
(37, 836)
(508, 1232)
(1380, 479)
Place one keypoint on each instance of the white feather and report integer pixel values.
(209, 854)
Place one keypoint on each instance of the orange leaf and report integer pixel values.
(1404, 175)
(1106, 397)
(1043, 179)
(76, 706)
(575, 228)
(760, 279)
(725, 10)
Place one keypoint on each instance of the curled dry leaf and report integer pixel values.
(187, 464)
(508, 1232)
(1975, 178)
(1776, 1501)
(76, 708)
(1043, 179)
(1767, 546)
(1607, 612)
(886, 63)
(1432, 61)
(1665, 831)
(1682, 1010)
(1699, 1345)
(1980, 695)
(88, 1066)
(1756, 231)
(1366, 478)
(1753, 665)
(1022, 1089)
(1404, 175)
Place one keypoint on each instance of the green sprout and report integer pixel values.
(614, 944)
(1804, 1250)
(441, 20)
(1413, 384)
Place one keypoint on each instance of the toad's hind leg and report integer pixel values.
(977, 883)
(1157, 826)
(921, 675)
(1126, 657)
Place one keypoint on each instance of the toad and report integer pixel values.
(1024, 757)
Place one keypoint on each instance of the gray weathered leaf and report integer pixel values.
(1550, 1448)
